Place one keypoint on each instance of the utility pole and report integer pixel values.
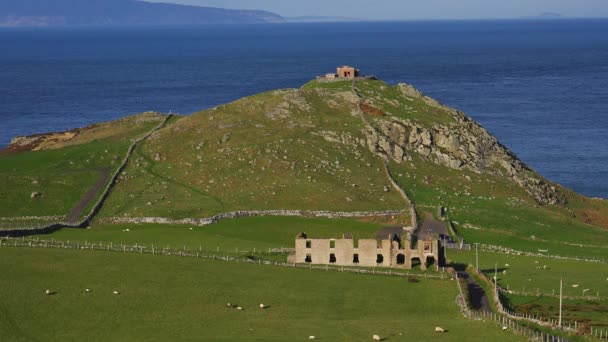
(496, 279)
(561, 287)
(477, 256)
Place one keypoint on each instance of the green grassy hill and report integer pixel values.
(324, 147)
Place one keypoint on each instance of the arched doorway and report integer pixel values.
(400, 259)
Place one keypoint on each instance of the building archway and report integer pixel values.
(400, 259)
(332, 258)
(430, 260)
(379, 259)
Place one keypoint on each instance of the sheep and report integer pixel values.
(116, 292)
(507, 265)
(48, 292)
(239, 308)
(439, 330)
(575, 285)
(262, 306)
(311, 337)
(87, 290)
(376, 338)
(229, 305)
(504, 327)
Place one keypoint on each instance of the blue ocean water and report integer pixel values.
(540, 86)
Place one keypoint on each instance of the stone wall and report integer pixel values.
(250, 213)
(322, 79)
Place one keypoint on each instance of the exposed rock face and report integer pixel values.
(463, 144)
(381, 145)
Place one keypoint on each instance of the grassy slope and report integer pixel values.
(273, 157)
(485, 208)
(167, 298)
(64, 173)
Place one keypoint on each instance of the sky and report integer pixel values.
(415, 9)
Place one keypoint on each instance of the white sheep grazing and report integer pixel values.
(48, 292)
(87, 290)
(311, 337)
(116, 292)
(229, 305)
(239, 308)
(262, 306)
(376, 338)
(575, 285)
(439, 329)
(504, 327)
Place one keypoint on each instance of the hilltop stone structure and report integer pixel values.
(344, 72)
(390, 252)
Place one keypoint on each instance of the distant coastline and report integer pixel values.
(45, 13)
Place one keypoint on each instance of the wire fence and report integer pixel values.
(238, 256)
(507, 320)
(546, 322)
(511, 251)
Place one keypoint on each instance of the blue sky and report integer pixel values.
(416, 9)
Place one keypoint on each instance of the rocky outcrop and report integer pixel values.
(381, 145)
(463, 144)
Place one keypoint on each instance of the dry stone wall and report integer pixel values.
(250, 213)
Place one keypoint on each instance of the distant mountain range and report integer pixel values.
(121, 12)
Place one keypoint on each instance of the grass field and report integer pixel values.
(591, 312)
(63, 172)
(529, 273)
(243, 233)
(489, 209)
(166, 298)
(542, 275)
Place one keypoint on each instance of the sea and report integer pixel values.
(540, 86)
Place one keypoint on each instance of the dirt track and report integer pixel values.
(479, 299)
(75, 214)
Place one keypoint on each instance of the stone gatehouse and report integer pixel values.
(390, 252)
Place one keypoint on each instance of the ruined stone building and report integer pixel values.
(343, 72)
(390, 252)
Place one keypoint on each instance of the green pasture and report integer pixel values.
(591, 312)
(243, 234)
(62, 176)
(532, 274)
(489, 209)
(169, 298)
